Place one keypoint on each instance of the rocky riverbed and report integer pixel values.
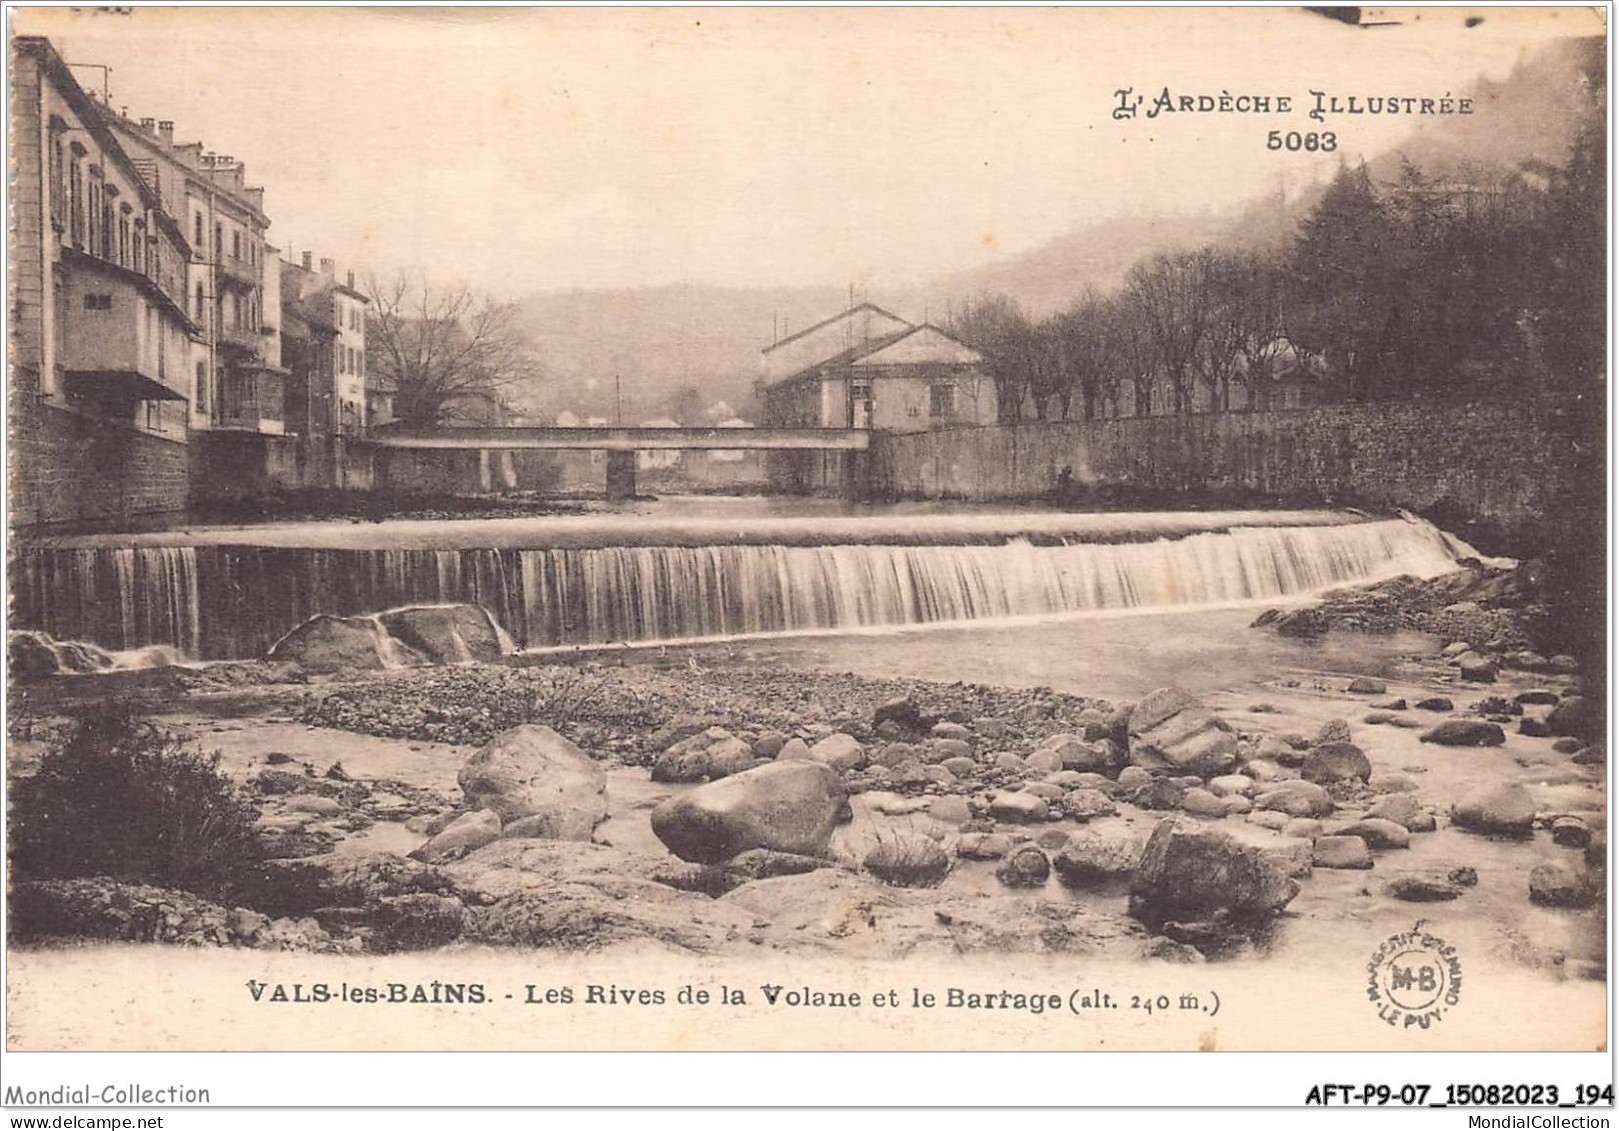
(720, 809)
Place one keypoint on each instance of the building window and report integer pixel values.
(123, 240)
(76, 203)
(219, 241)
(942, 399)
(196, 230)
(202, 312)
(98, 302)
(202, 387)
(58, 190)
(236, 245)
(140, 246)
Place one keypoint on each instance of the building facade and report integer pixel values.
(869, 369)
(102, 339)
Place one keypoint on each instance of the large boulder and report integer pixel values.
(713, 753)
(1336, 761)
(1170, 730)
(1201, 874)
(1503, 809)
(532, 771)
(447, 634)
(789, 806)
(324, 644)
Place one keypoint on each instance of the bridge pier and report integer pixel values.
(620, 475)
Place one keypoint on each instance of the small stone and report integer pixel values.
(950, 811)
(1390, 705)
(1045, 790)
(1561, 885)
(961, 767)
(1236, 804)
(1464, 876)
(1202, 803)
(1377, 718)
(1024, 868)
(1088, 804)
(1333, 730)
(1261, 770)
(1269, 819)
(1423, 889)
(1010, 762)
(1435, 703)
(1305, 828)
(1475, 668)
(1379, 833)
(1503, 809)
(1341, 852)
(1571, 832)
(1228, 785)
(1365, 685)
(1336, 761)
(950, 730)
(1464, 732)
(1534, 728)
(1052, 840)
(1590, 756)
(983, 846)
(1133, 776)
(1537, 696)
(1296, 799)
(1455, 648)
(1021, 807)
(1566, 745)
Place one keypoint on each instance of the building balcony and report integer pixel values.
(242, 339)
(251, 400)
(238, 271)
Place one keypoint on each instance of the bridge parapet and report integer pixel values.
(624, 439)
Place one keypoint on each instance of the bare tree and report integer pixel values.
(1172, 294)
(1088, 360)
(444, 353)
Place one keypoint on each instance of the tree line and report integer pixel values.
(1488, 283)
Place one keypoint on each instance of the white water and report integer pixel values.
(233, 601)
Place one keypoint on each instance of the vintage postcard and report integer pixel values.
(808, 529)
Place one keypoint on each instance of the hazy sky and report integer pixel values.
(534, 150)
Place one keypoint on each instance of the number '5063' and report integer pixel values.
(1293, 141)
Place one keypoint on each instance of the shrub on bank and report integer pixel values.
(128, 800)
(908, 860)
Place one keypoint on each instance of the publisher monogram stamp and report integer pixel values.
(1414, 979)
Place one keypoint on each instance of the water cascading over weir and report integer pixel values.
(216, 600)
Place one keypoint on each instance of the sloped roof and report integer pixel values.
(825, 322)
(856, 354)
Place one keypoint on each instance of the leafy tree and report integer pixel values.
(1172, 294)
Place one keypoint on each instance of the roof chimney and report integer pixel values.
(149, 125)
(328, 266)
(351, 280)
(165, 130)
(309, 261)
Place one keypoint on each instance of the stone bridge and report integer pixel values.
(619, 443)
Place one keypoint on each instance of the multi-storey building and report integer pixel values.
(232, 286)
(102, 337)
(329, 371)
